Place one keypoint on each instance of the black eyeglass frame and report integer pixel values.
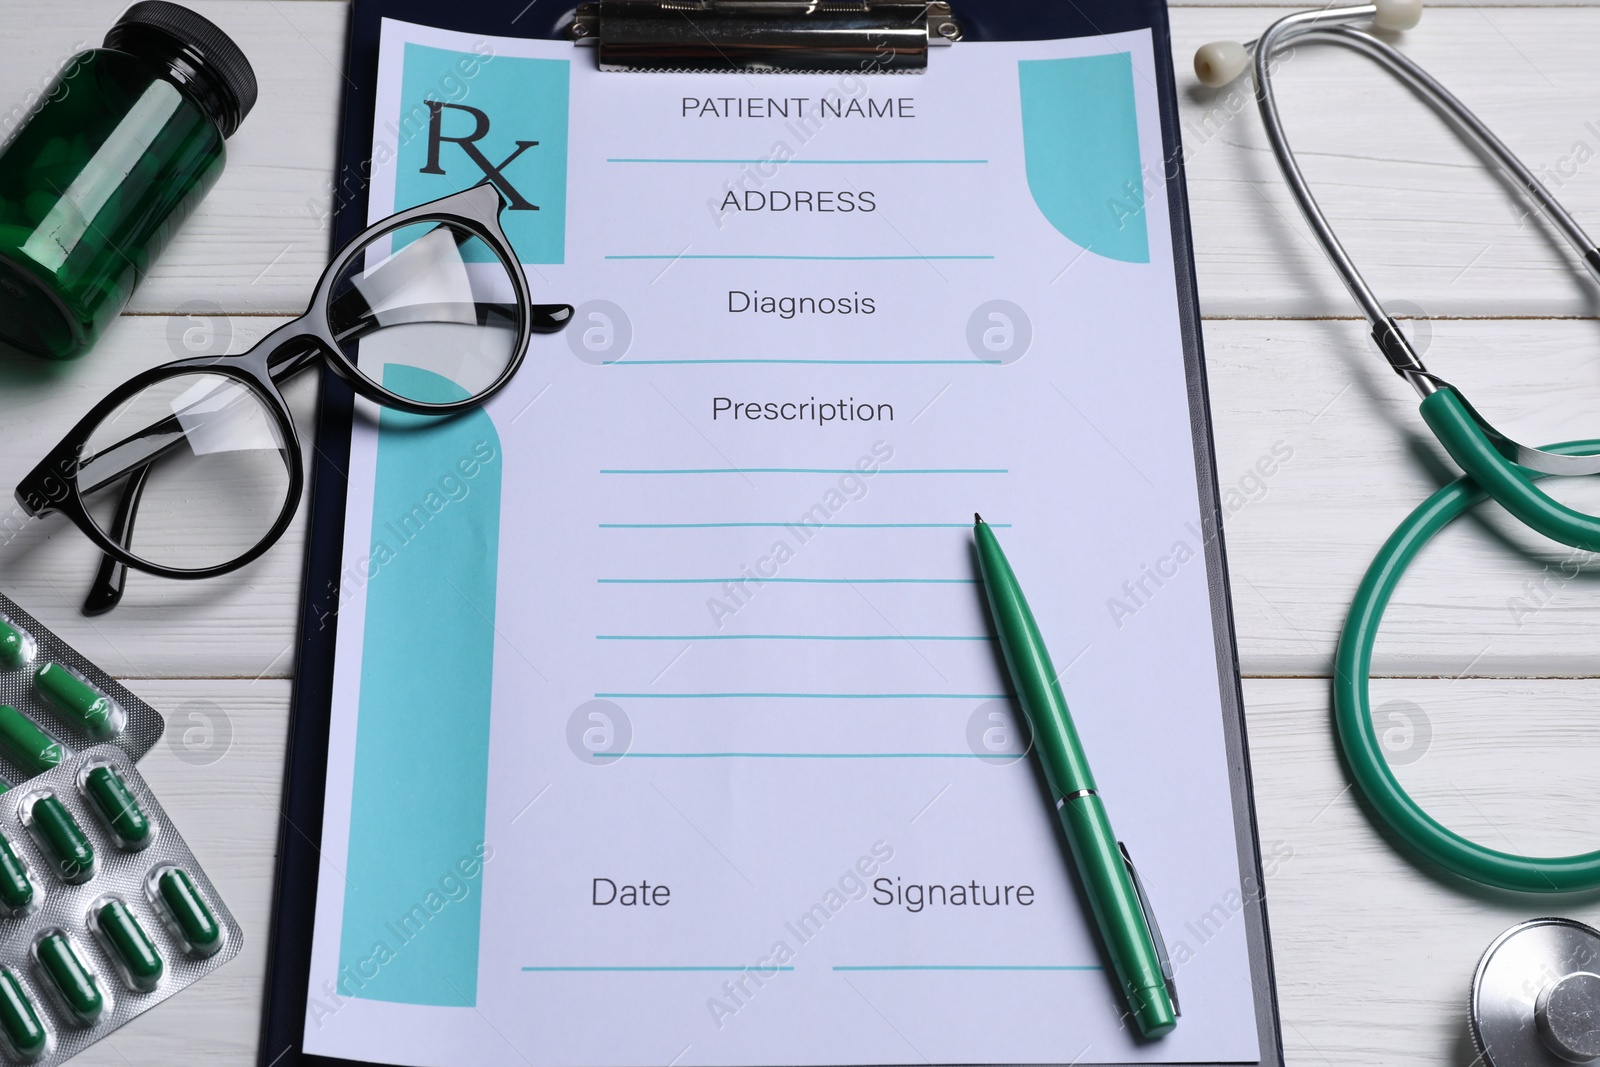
(53, 484)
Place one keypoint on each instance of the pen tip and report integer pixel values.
(977, 520)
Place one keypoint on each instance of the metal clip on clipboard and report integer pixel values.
(773, 36)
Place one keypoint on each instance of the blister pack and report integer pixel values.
(104, 912)
(54, 701)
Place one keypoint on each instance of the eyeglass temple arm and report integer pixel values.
(110, 580)
(292, 364)
(352, 307)
(543, 318)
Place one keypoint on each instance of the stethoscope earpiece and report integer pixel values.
(1220, 62)
(1397, 15)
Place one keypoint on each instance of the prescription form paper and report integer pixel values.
(668, 726)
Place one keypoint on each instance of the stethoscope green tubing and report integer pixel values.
(1511, 485)
(1489, 460)
(1353, 711)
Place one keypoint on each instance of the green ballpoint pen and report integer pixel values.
(1116, 897)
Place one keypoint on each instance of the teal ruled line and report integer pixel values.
(811, 755)
(809, 162)
(791, 581)
(789, 637)
(611, 969)
(808, 362)
(848, 259)
(971, 967)
(805, 470)
(799, 523)
(804, 696)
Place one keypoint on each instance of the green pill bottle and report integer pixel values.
(116, 154)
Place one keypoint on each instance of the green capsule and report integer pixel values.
(16, 891)
(64, 967)
(117, 806)
(87, 706)
(19, 1021)
(30, 747)
(15, 648)
(194, 920)
(140, 962)
(63, 839)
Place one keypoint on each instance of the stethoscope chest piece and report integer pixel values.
(1536, 996)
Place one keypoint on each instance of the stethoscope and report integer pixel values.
(1554, 965)
(1500, 465)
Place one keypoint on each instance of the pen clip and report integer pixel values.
(1155, 928)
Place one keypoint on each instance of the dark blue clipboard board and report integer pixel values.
(300, 829)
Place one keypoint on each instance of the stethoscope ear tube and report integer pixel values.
(1449, 417)
(1353, 661)
(1502, 466)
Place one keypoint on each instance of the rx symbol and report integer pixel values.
(495, 172)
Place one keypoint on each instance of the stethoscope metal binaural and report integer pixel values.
(1549, 967)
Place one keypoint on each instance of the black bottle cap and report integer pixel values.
(199, 53)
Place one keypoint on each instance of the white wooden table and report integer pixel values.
(1499, 674)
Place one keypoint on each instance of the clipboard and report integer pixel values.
(659, 34)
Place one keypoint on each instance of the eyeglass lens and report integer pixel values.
(428, 312)
(208, 459)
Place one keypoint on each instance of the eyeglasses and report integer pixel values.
(428, 312)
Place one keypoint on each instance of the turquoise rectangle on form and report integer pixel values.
(413, 873)
(466, 117)
(1080, 140)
